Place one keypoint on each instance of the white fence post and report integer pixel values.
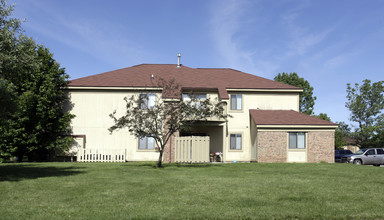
(102, 155)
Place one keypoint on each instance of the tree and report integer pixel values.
(9, 29)
(307, 100)
(163, 119)
(323, 116)
(37, 123)
(7, 96)
(342, 133)
(366, 103)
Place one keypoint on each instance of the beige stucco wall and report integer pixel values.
(241, 120)
(92, 109)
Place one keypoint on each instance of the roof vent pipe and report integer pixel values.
(178, 60)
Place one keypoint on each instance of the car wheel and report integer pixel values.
(358, 162)
(376, 165)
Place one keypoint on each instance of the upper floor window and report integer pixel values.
(236, 102)
(194, 98)
(146, 143)
(297, 140)
(147, 101)
(199, 96)
(235, 142)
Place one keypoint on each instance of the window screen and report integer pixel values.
(297, 140)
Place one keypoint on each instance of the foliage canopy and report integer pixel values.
(366, 103)
(31, 83)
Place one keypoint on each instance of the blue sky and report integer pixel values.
(329, 43)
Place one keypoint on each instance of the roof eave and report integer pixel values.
(111, 88)
(297, 126)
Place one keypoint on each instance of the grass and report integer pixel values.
(223, 191)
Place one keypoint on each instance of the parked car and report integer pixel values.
(371, 156)
(341, 153)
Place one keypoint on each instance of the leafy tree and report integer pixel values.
(307, 100)
(323, 116)
(366, 103)
(7, 96)
(379, 138)
(9, 28)
(161, 120)
(341, 134)
(34, 86)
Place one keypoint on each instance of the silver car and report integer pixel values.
(371, 156)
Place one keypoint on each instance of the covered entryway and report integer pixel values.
(215, 132)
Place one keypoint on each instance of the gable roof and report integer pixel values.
(286, 117)
(192, 78)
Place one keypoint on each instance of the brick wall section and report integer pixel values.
(169, 152)
(271, 146)
(321, 146)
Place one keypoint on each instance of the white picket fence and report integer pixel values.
(192, 149)
(102, 155)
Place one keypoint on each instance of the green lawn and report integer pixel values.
(224, 191)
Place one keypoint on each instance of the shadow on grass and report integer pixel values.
(191, 165)
(140, 164)
(21, 172)
(165, 165)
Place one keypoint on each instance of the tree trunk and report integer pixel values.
(159, 162)
(20, 156)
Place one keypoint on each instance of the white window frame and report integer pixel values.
(297, 140)
(148, 100)
(236, 105)
(238, 141)
(199, 96)
(147, 141)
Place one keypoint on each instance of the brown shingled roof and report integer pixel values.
(217, 79)
(285, 117)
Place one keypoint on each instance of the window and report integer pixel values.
(147, 101)
(380, 151)
(200, 96)
(236, 102)
(235, 142)
(297, 140)
(370, 152)
(146, 143)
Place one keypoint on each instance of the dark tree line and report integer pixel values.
(32, 98)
